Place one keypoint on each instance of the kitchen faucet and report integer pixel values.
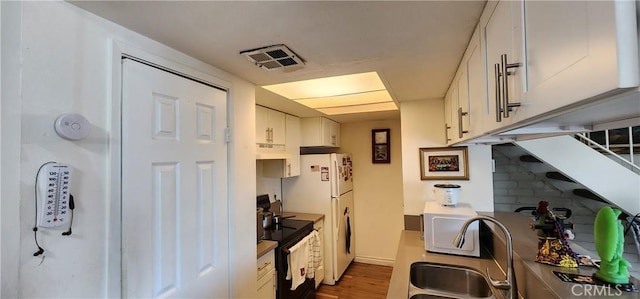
(510, 282)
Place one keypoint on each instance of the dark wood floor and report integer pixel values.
(359, 281)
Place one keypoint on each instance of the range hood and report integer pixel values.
(271, 154)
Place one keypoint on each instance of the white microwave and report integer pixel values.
(442, 224)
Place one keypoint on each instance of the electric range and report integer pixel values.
(288, 233)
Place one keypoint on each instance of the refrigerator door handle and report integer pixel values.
(336, 214)
(335, 232)
(335, 181)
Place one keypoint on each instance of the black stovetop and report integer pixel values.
(287, 230)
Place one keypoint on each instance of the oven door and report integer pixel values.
(303, 291)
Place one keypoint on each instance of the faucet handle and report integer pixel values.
(500, 284)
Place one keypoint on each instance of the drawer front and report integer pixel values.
(266, 263)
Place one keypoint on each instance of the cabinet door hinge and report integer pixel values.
(227, 135)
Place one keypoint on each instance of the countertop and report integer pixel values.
(542, 282)
(304, 216)
(525, 246)
(265, 246)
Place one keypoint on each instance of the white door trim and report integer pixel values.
(114, 209)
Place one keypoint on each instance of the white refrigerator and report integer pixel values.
(325, 186)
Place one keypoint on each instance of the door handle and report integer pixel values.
(271, 134)
(461, 131)
(498, 75)
(268, 136)
(505, 84)
(446, 132)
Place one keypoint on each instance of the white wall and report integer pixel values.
(267, 185)
(0, 146)
(66, 62)
(10, 203)
(423, 126)
(377, 192)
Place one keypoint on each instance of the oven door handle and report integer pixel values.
(286, 250)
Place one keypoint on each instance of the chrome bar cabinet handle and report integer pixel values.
(446, 132)
(498, 75)
(505, 83)
(461, 132)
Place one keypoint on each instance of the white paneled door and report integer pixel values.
(174, 186)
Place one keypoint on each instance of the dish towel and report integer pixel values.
(298, 261)
(315, 253)
(346, 213)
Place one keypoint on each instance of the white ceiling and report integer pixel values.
(415, 46)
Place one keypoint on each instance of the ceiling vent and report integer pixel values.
(274, 57)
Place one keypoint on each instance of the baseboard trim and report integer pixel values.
(374, 261)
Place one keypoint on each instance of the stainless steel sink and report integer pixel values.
(429, 296)
(431, 280)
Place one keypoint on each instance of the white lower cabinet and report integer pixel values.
(267, 280)
(319, 274)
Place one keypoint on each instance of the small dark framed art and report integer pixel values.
(381, 146)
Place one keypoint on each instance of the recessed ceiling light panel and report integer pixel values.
(386, 106)
(378, 96)
(273, 57)
(328, 87)
(354, 93)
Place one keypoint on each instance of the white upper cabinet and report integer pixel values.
(448, 129)
(477, 87)
(462, 111)
(278, 127)
(452, 111)
(529, 61)
(270, 126)
(262, 125)
(333, 138)
(294, 135)
(578, 50)
(320, 131)
(503, 41)
(466, 97)
(289, 167)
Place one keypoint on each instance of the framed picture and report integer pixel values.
(444, 163)
(381, 146)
